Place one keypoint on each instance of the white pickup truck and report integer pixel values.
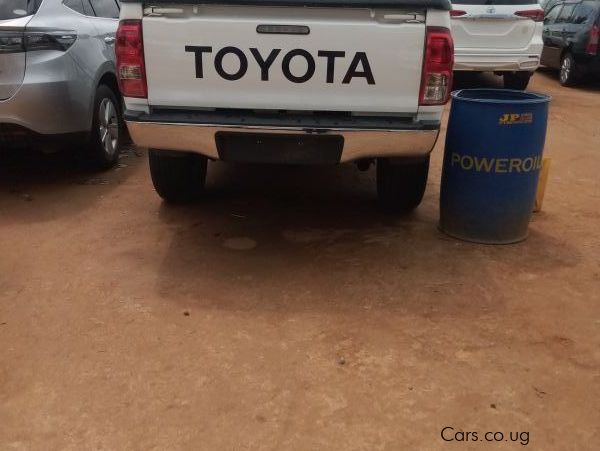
(286, 81)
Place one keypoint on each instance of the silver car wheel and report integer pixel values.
(565, 69)
(108, 124)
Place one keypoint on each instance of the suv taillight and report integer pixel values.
(537, 15)
(436, 81)
(592, 45)
(129, 50)
(457, 13)
(30, 41)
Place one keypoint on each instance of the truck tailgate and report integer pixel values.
(284, 58)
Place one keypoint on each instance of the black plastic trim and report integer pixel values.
(252, 118)
(423, 4)
(279, 148)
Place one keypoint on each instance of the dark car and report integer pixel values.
(571, 33)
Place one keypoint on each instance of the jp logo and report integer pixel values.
(514, 118)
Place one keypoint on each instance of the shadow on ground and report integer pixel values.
(37, 186)
(274, 238)
(588, 84)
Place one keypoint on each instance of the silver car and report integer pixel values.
(57, 74)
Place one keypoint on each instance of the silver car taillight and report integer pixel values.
(54, 40)
(11, 42)
(30, 41)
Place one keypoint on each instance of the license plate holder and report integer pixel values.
(279, 148)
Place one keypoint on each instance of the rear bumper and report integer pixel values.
(363, 137)
(46, 108)
(55, 96)
(490, 62)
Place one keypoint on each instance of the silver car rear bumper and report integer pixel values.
(359, 142)
(46, 108)
(55, 97)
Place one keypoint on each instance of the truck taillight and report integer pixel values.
(436, 81)
(592, 45)
(537, 15)
(129, 50)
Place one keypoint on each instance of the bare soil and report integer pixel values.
(286, 313)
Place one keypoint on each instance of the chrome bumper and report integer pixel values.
(358, 143)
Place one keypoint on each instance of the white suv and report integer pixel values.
(500, 36)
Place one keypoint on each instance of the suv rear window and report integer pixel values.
(494, 2)
(13, 9)
(585, 12)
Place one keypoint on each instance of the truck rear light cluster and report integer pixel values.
(592, 45)
(438, 63)
(29, 41)
(129, 50)
(537, 15)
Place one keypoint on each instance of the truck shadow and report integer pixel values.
(468, 80)
(298, 240)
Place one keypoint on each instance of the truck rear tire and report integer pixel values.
(401, 184)
(517, 80)
(178, 177)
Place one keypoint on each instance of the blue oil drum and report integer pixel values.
(492, 160)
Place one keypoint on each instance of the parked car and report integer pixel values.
(500, 36)
(571, 34)
(288, 81)
(57, 75)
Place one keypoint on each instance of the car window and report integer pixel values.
(584, 12)
(87, 8)
(566, 12)
(13, 9)
(75, 5)
(552, 14)
(106, 8)
(549, 4)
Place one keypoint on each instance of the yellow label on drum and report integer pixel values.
(514, 118)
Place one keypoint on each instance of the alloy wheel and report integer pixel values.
(108, 124)
(565, 69)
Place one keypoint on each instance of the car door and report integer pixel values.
(551, 51)
(560, 31)
(78, 18)
(106, 21)
(553, 34)
(582, 20)
(570, 27)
